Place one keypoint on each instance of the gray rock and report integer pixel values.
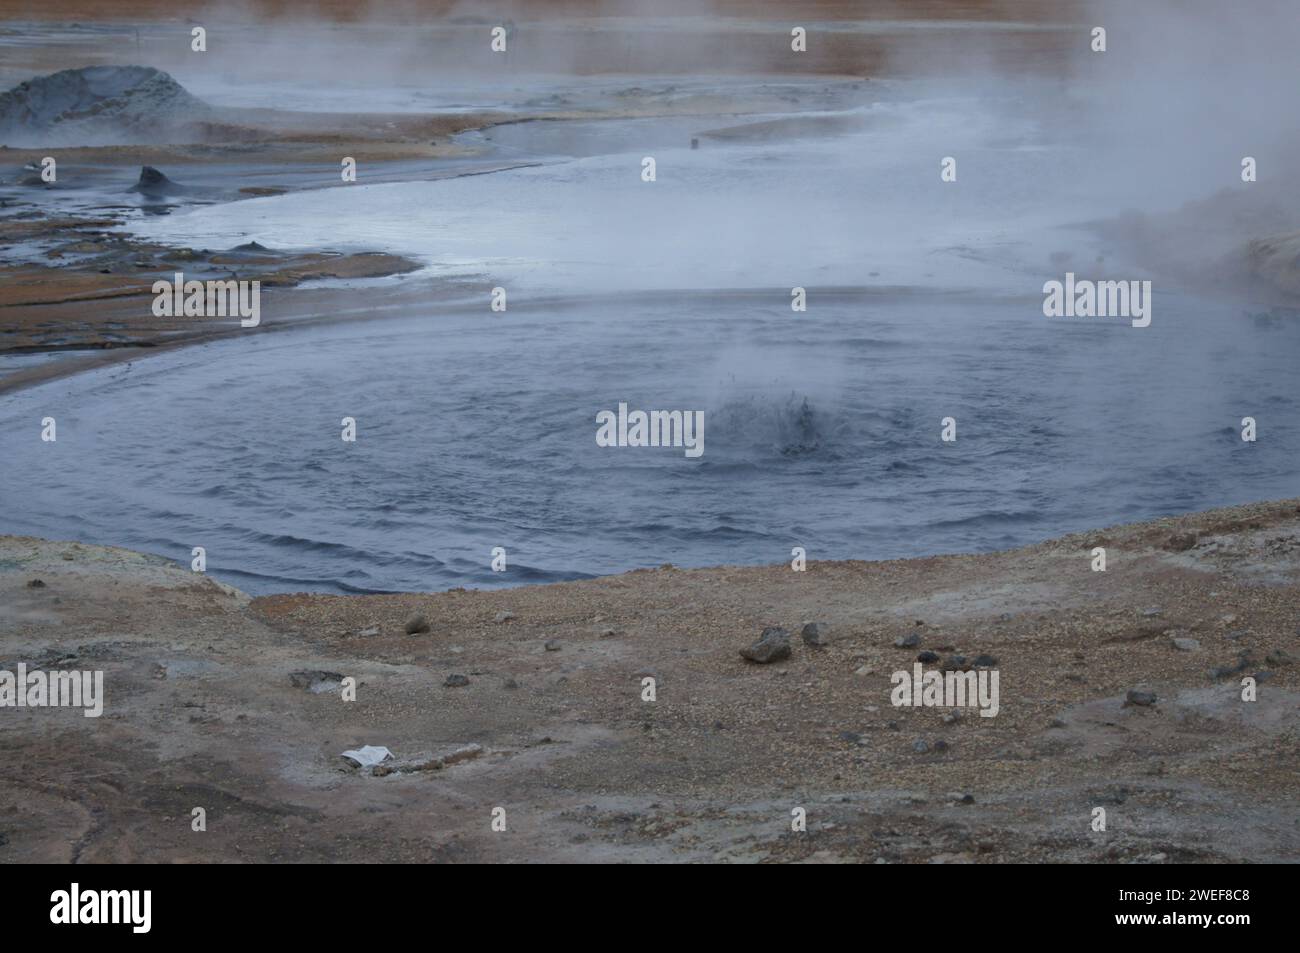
(928, 657)
(772, 646)
(920, 746)
(552, 645)
(985, 661)
(153, 182)
(909, 641)
(1280, 657)
(456, 681)
(1244, 661)
(416, 624)
(503, 617)
(813, 634)
(369, 632)
(1139, 697)
(1185, 644)
(316, 682)
(36, 584)
(956, 663)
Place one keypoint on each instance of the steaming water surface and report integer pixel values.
(848, 197)
(478, 430)
(822, 429)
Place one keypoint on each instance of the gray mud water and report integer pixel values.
(822, 429)
(478, 430)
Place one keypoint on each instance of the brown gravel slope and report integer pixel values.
(210, 705)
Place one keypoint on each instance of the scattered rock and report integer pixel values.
(813, 635)
(1152, 611)
(416, 624)
(509, 683)
(952, 718)
(852, 737)
(1139, 697)
(863, 671)
(503, 617)
(36, 584)
(928, 657)
(369, 632)
(1244, 661)
(456, 681)
(463, 753)
(772, 646)
(985, 661)
(920, 746)
(1180, 542)
(1280, 657)
(316, 682)
(153, 182)
(956, 663)
(909, 641)
(1185, 644)
(552, 645)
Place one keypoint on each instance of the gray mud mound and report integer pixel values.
(96, 105)
(1278, 260)
(153, 183)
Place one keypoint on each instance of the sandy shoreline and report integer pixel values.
(233, 704)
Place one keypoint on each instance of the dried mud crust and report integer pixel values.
(209, 704)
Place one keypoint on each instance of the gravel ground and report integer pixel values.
(236, 705)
